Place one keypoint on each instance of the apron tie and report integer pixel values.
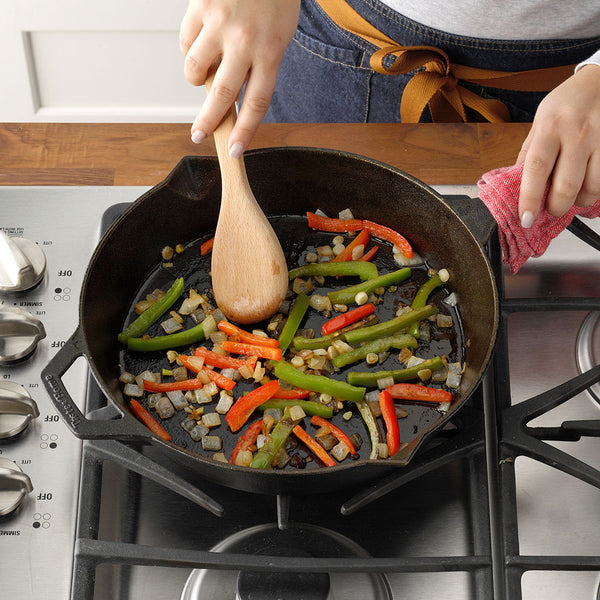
(436, 82)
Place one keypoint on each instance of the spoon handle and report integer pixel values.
(234, 167)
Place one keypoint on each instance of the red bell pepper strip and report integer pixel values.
(370, 253)
(244, 336)
(240, 412)
(389, 235)
(148, 420)
(314, 446)
(171, 386)
(207, 246)
(334, 225)
(252, 350)
(293, 394)
(347, 318)
(362, 239)
(418, 393)
(222, 362)
(218, 378)
(336, 431)
(392, 436)
(247, 440)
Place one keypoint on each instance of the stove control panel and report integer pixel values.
(22, 263)
(14, 486)
(47, 237)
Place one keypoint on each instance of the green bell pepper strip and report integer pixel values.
(310, 407)
(303, 343)
(369, 419)
(366, 334)
(347, 295)
(293, 321)
(152, 313)
(421, 298)
(275, 441)
(370, 378)
(167, 342)
(398, 341)
(318, 383)
(358, 268)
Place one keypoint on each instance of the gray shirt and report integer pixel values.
(507, 19)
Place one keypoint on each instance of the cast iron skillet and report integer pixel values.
(287, 182)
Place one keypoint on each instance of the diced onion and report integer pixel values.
(164, 408)
(224, 404)
(403, 261)
(385, 382)
(211, 420)
(297, 413)
(177, 399)
(198, 432)
(340, 451)
(212, 442)
(133, 390)
(209, 325)
(451, 299)
(361, 298)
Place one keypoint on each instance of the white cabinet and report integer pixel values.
(94, 61)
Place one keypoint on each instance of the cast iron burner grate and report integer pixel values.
(485, 438)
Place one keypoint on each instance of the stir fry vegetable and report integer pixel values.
(348, 318)
(318, 383)
(265, 384)
(153, 313)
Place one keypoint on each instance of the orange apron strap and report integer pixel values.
(436, 84)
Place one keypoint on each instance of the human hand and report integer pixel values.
(563, 143)
(247, 38)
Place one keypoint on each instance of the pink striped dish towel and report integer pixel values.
(499, 191)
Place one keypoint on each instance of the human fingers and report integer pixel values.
(525, 146)
(190, 27)
(257, 97)
(590, 190)
(567, 179)
(223, 91)
(539, 161)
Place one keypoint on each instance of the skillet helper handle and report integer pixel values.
(126, 428)
(476, 216)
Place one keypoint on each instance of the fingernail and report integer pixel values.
(527, 219)
(198, 136)
(236, 150)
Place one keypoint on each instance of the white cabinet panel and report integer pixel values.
(88, 61)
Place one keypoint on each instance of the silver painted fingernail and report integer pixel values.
(527, 219)
(198, 136)
(236, 150)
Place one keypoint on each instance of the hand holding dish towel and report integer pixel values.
(499, 190)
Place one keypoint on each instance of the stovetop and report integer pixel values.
(444, 527)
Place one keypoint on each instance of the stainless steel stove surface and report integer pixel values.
(505, 504)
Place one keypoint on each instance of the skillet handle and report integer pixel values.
(126, 428)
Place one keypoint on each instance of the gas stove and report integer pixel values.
(504, 503)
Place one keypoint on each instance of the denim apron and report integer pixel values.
(325, 75)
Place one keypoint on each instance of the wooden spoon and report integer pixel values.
(249, 272)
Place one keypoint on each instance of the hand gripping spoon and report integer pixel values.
(249, 272)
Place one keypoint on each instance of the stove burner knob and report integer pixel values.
(14, 486)
(17, 409)
(22, 264)
(20, 333)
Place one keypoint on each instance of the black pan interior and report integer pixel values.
(297, 240)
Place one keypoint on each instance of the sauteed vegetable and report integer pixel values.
(285, 391)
